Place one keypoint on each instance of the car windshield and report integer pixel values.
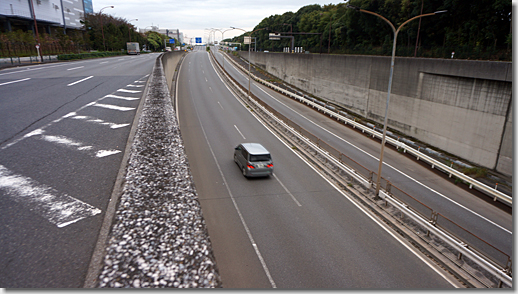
(262, 157)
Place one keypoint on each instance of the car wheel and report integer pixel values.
(244, 171)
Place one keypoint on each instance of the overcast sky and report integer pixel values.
(192, 17)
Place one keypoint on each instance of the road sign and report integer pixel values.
(171, 41)
(248, 40)
(198, 40)
(274, 36)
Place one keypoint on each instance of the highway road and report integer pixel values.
(291, 230)
(428, 186)
(63, 134)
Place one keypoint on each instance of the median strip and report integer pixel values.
(159, 237)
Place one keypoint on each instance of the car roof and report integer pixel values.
(255, 148)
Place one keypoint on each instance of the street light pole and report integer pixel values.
(102, 29)
(249, 45)
(396, 31)
(129, 29)
(222, 38)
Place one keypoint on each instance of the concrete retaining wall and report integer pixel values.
(460, 106)
(170, 60)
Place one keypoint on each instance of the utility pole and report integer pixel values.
(36, 30)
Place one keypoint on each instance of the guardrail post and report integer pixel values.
(371, 173)
(509, 266)
(389, 185)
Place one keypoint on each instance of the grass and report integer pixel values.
(475, 172)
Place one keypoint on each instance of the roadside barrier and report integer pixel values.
(487, 256)
(342, 116)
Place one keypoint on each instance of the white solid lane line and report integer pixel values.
(348, 197)
(390, 166)
(240, 132)
(287, 191)
(77, 82)
(17, 81)
(58, 208)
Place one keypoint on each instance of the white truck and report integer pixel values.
(133, 48)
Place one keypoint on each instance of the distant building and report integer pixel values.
(89, 8)
(50, 14)
(171, 33)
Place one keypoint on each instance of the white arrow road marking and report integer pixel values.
(58, 208)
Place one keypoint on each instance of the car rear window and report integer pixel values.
(262, 157)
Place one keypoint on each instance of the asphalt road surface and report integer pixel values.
(428, 186)
(63, 131)
(291, 230)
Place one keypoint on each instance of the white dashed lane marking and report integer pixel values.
(17, 81)
(77, 82)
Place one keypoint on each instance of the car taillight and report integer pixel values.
(270, 165)
(250, 166)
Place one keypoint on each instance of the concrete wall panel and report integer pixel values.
(460, 106)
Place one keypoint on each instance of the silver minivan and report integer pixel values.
(253, 160)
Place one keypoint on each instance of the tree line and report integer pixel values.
(472, 29)
(117, 32)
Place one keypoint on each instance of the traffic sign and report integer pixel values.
(198, 40)
(171, 41)
(274, 36)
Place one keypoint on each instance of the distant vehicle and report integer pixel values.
(266, 51)
(168, 49)
(133, 48)
(253, 160)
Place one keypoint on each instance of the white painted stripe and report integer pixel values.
(287, 191)
(366, 212)
(17, 81)
(392, 167)
(58, 208)
(121, 97)
(114, 107)
(128, 91)
(69, 143)
(239, 132)
(99, 121)
(75, 67)
(104, 62)
(243, 222)
(62, 140)
(135, 86)
(71, 84)
(104, 153)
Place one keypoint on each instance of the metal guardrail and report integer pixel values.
(495, 262)
(398, 144)
(459, 245)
